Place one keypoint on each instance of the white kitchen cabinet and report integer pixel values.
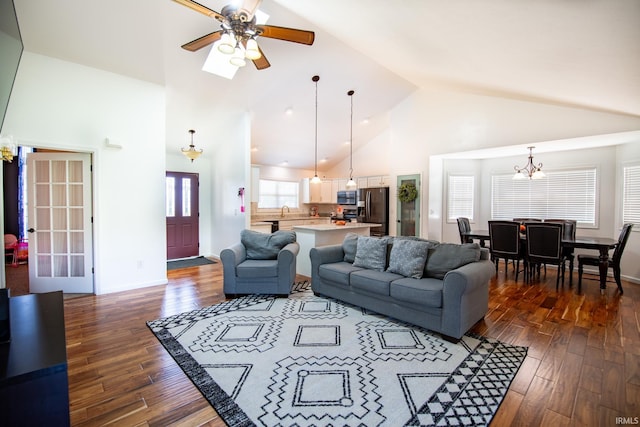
(314, 221)
(310, 192)
(362, 182)
(378, 181)
(326, 192)
(288, 224)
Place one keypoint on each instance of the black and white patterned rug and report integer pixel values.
(312, 361)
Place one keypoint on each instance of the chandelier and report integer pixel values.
(530, 171)
(191, 152)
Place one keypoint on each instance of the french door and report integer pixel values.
(59, 222)
(182, 211)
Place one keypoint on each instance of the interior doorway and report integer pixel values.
(408, 222)
(183, 215)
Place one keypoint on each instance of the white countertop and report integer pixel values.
(332, 226)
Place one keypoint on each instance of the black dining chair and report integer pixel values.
(544, 246)
(504, 239)
(464, 226)
(570, 227)
(614, 261)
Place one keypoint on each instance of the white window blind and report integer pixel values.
(275, 194)
(567, 194)
(460, 197)
(631, 195)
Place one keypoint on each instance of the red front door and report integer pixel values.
(182, 215)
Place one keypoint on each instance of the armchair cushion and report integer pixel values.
(349, 246)
(265, 246)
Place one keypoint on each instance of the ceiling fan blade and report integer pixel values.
(200, 8)
(203, 41)
(262, 62)
(287, 34)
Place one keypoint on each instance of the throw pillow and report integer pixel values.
(408, 258)
(265, 245)
(349, 246)
(371, 253)
(449, 256)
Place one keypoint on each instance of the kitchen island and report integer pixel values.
(311, 236)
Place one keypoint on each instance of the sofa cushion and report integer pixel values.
(371, 253)
(408, 258)
(265, 245)
(337, 272)
(425, 291)
(349, 246)
(445, 257)
(257, 268)
(373, 281)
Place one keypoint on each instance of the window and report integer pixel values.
(460, 197)
(566, 194)
(631, 195)
(275, 194)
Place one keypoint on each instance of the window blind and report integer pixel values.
(275, 194)
(631, 195)
(562, 194)
(460, 197)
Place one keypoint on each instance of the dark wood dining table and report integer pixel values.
(602, 244)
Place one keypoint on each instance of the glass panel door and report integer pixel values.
(409, 211)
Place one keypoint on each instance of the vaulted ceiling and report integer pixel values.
(584, 54)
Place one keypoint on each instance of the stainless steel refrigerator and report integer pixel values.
(373, 207)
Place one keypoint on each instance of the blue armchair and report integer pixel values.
(260, 264)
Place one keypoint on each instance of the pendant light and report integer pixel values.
(316, 179)
(530, 171)
(191, 152)
(351, 184)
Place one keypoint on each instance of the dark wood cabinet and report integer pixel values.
(34, 387)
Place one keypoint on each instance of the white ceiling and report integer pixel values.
(577, 53)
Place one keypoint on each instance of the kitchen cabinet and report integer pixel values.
(310, 192)
(326, 191)
(288, 224)
(362, 182)
(378, 181)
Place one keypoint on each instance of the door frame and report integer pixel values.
(399, 179)
(92, 204)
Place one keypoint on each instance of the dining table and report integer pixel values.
(602, 244)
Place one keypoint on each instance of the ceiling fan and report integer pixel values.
(239, 32)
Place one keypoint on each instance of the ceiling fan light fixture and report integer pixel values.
(237, 58)
(251, 50)
(227, 43)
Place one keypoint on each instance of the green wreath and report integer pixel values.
(407, 193)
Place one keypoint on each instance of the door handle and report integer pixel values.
(31, 230)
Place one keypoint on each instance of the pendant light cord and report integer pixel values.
(350, 93)
(315, 79)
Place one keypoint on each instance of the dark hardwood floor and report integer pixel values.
(582, 368)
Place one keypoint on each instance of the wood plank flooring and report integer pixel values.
(582, 368)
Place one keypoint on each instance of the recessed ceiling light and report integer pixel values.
(254, 148)
(288, 111)
(365, 121)
(324, 160)
(284, 163)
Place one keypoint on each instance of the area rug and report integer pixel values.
(190, 262)
(312, 361)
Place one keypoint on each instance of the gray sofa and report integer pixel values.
(260, 264)
(446, 289)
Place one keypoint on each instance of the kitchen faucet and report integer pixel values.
(282, 210)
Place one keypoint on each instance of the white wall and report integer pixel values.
(57, 104)
(434, 122)
(177, 162)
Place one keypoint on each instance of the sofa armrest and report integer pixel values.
(466, 279)
(326, 254)
(233, 255)
(288, 254)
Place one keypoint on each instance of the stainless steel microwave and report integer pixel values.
(347, 197)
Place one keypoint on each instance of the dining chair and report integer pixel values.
(614, 261)
(504, 239)
(523, 220)
(464, 226)
(544, 246)
(570, 227)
